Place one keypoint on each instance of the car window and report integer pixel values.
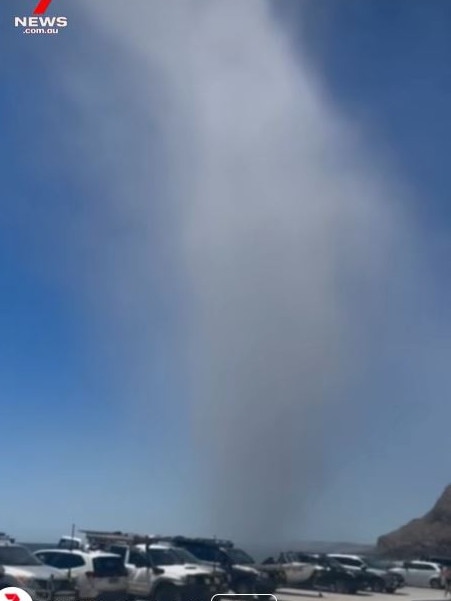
(425, 567)
(108, 566)
(136, 558)
(17, 555)
(67, 561)
(45, 557)
(184, 556)
(303, 557)
(205, 553)
(348, 561)
(119, 550)
(162, 557)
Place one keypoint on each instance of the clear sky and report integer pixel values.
(224, 246)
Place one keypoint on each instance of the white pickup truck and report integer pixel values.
(297, 573)
(155, 572)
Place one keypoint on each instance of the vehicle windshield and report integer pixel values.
(291, 557)
(330, 562)
(70, 544)
(184, 556)
(239, 556)
(163, 557)
(15, 555)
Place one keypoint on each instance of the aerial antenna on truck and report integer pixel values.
(72, 537)
(71, 548)
(215, 538)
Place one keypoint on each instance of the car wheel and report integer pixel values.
(341, 587)
(435, 583)
(244, 588)
(390, 590)
(314, 581)
(378, 586)
(166, 592)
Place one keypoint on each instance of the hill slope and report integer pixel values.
(427, 535)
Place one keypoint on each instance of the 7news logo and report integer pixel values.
(38, 23)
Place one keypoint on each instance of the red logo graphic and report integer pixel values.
(40, 9)
(12, 593)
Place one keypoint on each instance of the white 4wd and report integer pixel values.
(296, 572)
(154, 573)
(99, 576)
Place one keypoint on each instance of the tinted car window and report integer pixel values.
(347, 561)
(204, 553)
(162, 557)
(16, 555)
(424, 566)
(184, 556)
(137, 558)
(302, 557)
(46, 558)
(118, 550)
(108, 566)
(66, 561)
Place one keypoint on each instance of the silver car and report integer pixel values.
(420, 573)
(20, 568)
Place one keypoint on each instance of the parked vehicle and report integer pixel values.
(98, 576)
(373, 579)
(184, 557)
(328, 574)
(442, 561)
(296, 572)
(245, 575)
(155, 572)
(383, 568)
(420, 573)
(71, 543)
(20, 568)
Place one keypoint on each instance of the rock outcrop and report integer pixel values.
(428, 535)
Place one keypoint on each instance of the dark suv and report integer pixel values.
(246, 577)
(330, 574)
(372, 575)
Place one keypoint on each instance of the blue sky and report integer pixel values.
(96, 377)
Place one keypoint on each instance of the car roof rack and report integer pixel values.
(213, 542)
(117, 537)
(127, 538)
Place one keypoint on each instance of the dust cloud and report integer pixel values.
(279, 223)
